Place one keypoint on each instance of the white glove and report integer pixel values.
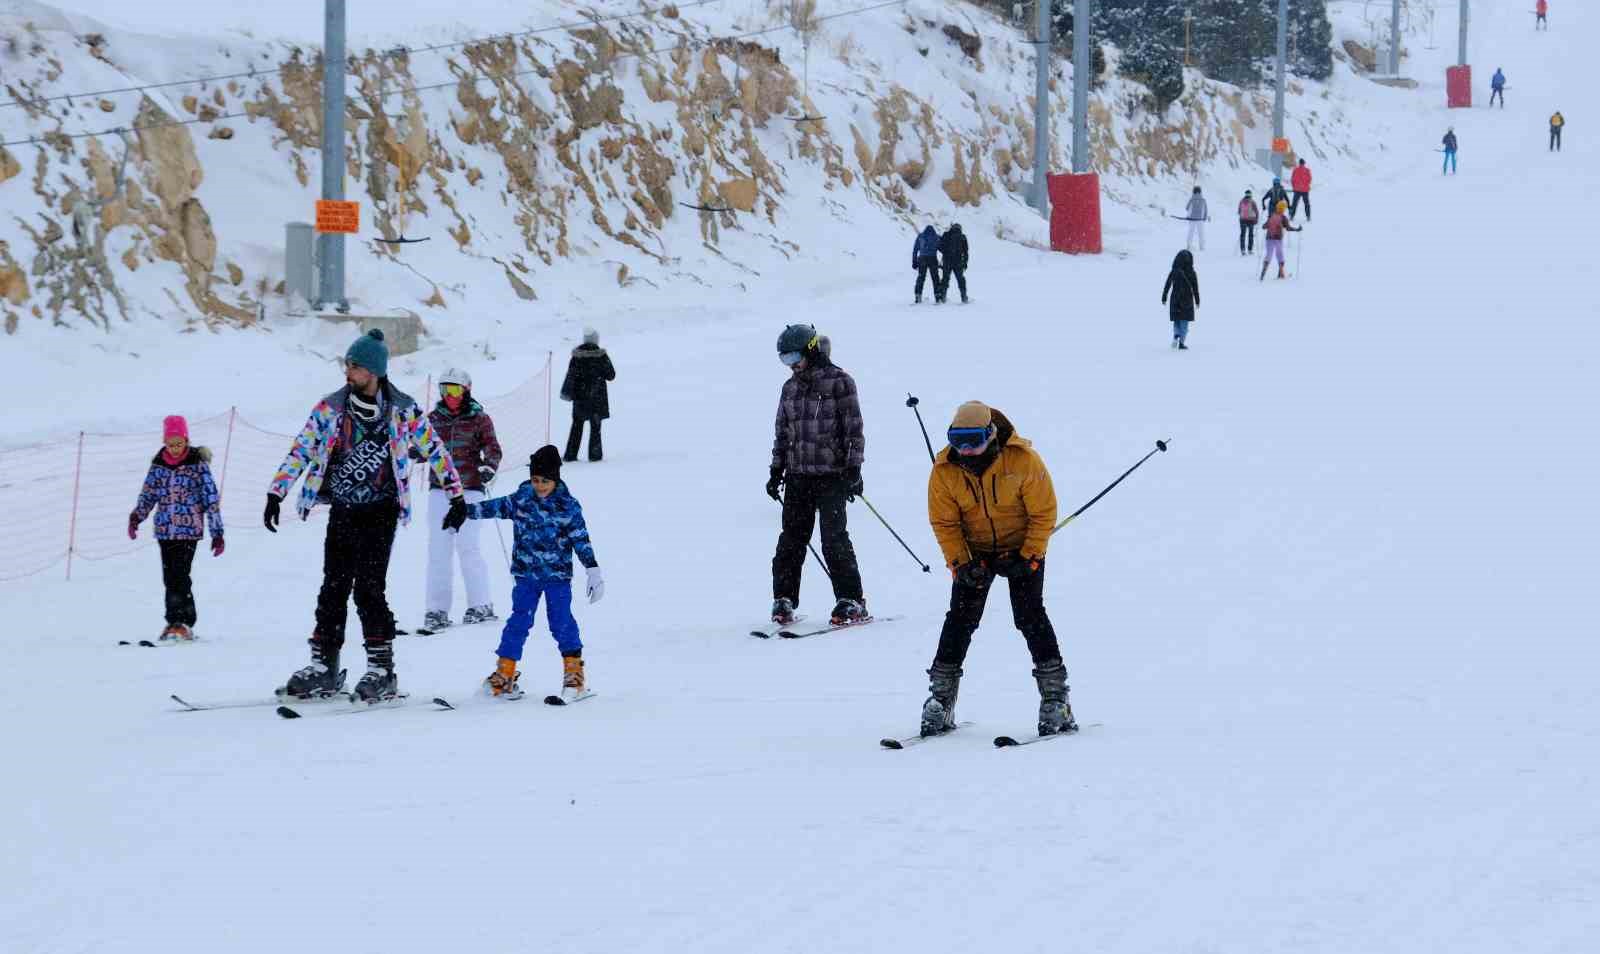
(597, 584)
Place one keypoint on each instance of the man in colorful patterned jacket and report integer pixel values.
(353, 452)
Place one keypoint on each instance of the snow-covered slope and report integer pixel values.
(1336, 643)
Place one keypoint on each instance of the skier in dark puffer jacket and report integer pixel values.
(925, 259)
(585, 386)
(1183, 288)
(953, 251)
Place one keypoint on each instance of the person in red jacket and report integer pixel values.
(1540, 9)
(1301, 181)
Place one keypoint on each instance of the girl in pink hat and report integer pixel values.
(180, 492)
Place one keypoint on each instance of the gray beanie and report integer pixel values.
(371, 353)
(591, 336)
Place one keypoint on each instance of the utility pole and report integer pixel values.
(1394, 40)
(1283, 54)
(330, 246)
(1461, 58)
(1082, 68)
(1041, 108)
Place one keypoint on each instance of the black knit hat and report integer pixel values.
(545, 462)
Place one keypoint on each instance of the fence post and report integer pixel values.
(72, 528)
(227, 449)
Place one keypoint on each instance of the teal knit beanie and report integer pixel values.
(371, 353)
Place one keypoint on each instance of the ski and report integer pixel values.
(1007, 742)
(772, 629)
(278, 697)
(558, 701)
(790, 634)
(396, 701)
(156, 645)
(142, 642)
(898, 744)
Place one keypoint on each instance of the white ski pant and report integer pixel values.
(443, 545)
(1197, 232)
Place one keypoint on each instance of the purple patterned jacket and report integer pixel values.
(819, 428)
(183, 497)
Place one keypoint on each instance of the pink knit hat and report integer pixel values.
(174, 426)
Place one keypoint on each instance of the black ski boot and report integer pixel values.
(1055, 713)
(379, 684)
(319, 680)
(846, 612)
(782, 611)
(939, 712)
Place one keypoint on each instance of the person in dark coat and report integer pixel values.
(1181, 295)
(953, 252)
(585, 386)
(925, 259)
(1275, 193)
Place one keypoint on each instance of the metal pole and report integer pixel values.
(1082, 68)
(330, 246)
(1283, 54)
(1041, 108)
(1394, 40)
(1461, 58)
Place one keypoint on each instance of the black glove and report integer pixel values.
(774, 482)
(457, 515)
(973, 573)
(270, 517)
(853, 487)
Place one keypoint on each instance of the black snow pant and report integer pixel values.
(1500, 93)
(575, 436)
(924, 267)
(804, 495)
(1247, 236)
(1027, 611)
(177, 557)
(1294, 205)
(355, 559)
(944, 283)
(1555, 138)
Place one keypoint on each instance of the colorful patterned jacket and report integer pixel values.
(408, 428)
(818, 430)
(183, 497)
(547, 530)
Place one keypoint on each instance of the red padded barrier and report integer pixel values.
(1458, 86)
(1075, 212)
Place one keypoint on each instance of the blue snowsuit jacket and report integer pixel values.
(547, 531)
(1498, 81)
(925, 247)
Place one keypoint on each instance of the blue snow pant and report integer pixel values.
(1449, 161)
(557, 612)
(1180, 330)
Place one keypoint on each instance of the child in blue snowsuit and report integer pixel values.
(548, 526)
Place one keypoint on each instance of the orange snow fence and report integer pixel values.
(1075, 212)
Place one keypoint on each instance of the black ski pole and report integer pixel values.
(814, 553)
(886, 526)
(912, 402)
(1160, 446)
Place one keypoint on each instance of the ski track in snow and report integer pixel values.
(1338, 637)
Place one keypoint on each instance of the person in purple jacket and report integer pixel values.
(180, 492)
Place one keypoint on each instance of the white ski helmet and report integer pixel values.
(456, 376)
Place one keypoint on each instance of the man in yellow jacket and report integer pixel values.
(992, 508)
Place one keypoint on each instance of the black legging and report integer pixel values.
(1247, 236)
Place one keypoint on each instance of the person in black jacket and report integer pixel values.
(1183, 287)
(953, 249)
(585, 386)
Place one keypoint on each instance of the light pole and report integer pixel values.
(1082, 67)
(1041, 108)
(1283, 54)
(1394, 40)
(1461, 57)
(330, 246)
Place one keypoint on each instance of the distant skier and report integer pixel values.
(925, 259)
(1275, 194)
(180, 492)
(1276, 225)
(585, 386)
(1198, 216)
(1556, 122)
(1301, 180)
(354, 452)
(1449, 152)
(1249, 215)
(1497, 87)
(953, 252)
(467, 431)
(817, 451)
(549, 528)
(1540, 9)
(1183, 288)
(992, 507)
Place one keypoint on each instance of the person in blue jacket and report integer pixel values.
(1497, 87)
(925, 258)
(548, 527)
(1449, 151)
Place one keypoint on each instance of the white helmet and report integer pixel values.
(456, 376)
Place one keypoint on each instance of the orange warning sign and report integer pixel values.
(337, 215)
(1280, 145)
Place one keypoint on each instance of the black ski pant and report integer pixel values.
(804, 496)
(944, 283)
(1555, 139)
(355, 559)
(177, 558)
(575, 436)
(1027, 611)
(1247, 236)
(924, 267)
(1294, 205)
(1500, 93)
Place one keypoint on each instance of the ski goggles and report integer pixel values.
(968, 438)
(791, 358)
(452, 390)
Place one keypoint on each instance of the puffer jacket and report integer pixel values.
(183, 497)
(1300, 178)
(953, 249)
(1181, 294)
(547, 530)
(585, 384)
(1009, 505)
(925, 247)
(408, 428)
(470, 438)
(818, 430)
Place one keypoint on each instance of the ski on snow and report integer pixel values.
(830, 628)
(772, 629)
(1007, 742)
(445, 704)
(919, 739)
(355, 706)
(278, 697)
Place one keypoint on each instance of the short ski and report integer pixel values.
(558, 701)
(1006, 741)
(792, 634)
(919, 739)
(142, 642)
(772, 629)
(394, 702)
(278, 697)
